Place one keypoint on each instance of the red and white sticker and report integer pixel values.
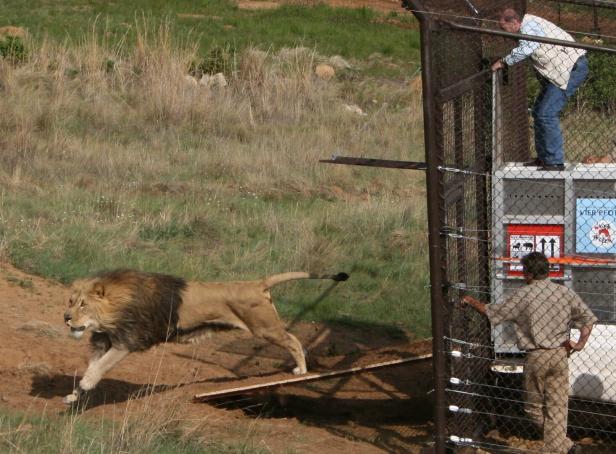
(523, 239)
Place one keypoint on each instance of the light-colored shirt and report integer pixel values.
(551, 61)
(543, 313)
(525, 48)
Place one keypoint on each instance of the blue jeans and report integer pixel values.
(546, 112)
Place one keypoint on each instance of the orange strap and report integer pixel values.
(567, 260)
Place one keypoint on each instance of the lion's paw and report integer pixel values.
(299, 370)
(72, 397)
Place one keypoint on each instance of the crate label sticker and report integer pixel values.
(520, 245)
(595, 226)
(548, 245)
(523, 239)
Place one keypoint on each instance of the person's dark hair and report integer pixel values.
(536, 264)
(510, 15)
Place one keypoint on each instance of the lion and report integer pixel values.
(602, 159)
(130, 311)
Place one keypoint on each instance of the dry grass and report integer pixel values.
(108, 113)
(147, 423)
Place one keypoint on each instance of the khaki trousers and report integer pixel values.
(546, 382)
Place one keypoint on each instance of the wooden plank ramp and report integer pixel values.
(306, 378)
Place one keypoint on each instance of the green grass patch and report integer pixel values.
(352, 33)
(253, 238)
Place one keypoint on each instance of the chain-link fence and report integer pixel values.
(519, 102)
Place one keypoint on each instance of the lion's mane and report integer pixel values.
(138, 309)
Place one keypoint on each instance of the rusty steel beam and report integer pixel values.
(539, 39)
(370, 162)
(453, 91)
(434, 157)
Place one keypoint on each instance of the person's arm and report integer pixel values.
(583, 319)
(498, 313)
(474, 303)
(525, 48)
(522, 52)
(572, 345)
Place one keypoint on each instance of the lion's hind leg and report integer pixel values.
(289, 342)
(263, 322)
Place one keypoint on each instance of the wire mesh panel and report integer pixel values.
(520, 100)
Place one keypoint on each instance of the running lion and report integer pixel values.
(130, 311)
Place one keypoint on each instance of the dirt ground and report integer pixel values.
(385, 411)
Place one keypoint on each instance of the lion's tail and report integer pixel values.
(276, 279)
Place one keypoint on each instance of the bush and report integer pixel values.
(598, 92)
(13, 49)
(218, 60)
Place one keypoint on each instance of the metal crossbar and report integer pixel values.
(539, 39)
(371, 162)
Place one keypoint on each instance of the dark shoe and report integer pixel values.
(534, 163)
(553, 167)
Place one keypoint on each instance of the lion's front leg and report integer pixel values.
(95, 371)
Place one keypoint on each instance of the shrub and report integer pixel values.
(13, 49)
(218, 60)
(598, 92)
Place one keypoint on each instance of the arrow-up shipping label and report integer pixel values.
(525, 238)
(548, 245)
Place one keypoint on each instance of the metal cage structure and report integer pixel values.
(491, 203)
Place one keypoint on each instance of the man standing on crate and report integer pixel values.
(561, 70)
(543, 313)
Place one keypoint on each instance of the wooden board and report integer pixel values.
(306, 378)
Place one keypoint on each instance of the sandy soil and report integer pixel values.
(384, 411)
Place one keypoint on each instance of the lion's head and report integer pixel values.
(132, 308)
(87, 307)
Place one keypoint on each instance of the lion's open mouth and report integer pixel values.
(77, 331)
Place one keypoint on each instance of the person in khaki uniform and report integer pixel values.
(543, 313)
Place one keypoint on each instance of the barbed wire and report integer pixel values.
(459, 354)
(593, 309)
(491, 347)
(452, 15)
(519, 401)
(460, 382)
(485, 20)
(468, 412)
(483, 444)
(484, 289)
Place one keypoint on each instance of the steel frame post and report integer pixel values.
(435, 219)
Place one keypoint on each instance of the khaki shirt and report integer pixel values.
(543, 312)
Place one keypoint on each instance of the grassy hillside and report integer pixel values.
(110, 158)
(351, 33)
